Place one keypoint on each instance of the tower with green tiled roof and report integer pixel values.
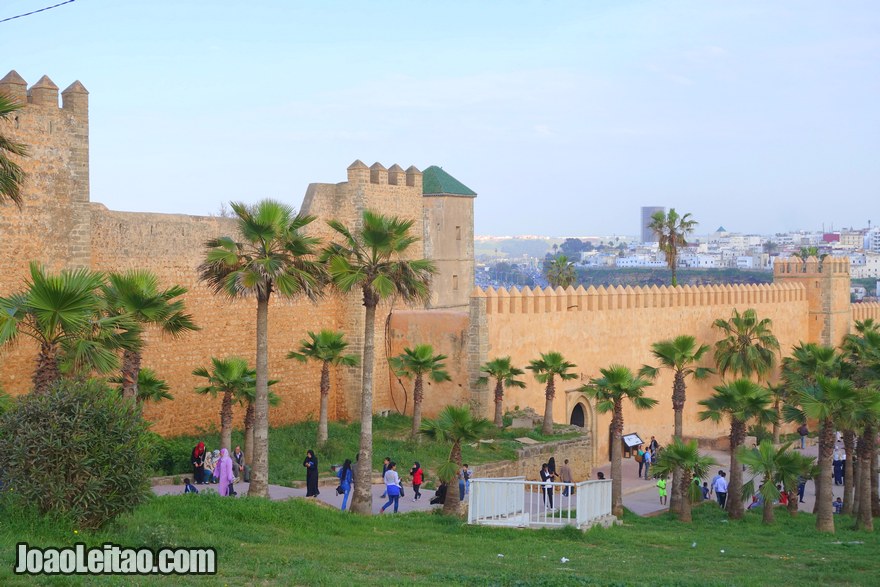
(448, 208)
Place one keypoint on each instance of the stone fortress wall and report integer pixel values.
(59, 227)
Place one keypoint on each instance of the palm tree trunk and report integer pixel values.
(864, 519)
(547, 428)
(856, 463)
(452, 504)
(777, 409)
(685, 507)
(679, 391)
(249, 434)
(131, 367)
(616, 475)
(226, 422)
(849, 487)
(325, 396)
(792, 502)
(768, 512)
(734, 489)
(824, 497)
(872, 467)
(362, 501)
(499, 400)
(260, 469)
(47, 371)
(418, 394)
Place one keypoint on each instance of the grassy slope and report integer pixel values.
(299, 543)
(288, 444)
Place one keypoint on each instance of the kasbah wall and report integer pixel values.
(59, 227)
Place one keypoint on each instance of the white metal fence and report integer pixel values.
(513, 501)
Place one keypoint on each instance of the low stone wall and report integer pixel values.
(529, 459)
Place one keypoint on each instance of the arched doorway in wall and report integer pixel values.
(578, 417)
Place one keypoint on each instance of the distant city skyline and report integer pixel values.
(564, 117)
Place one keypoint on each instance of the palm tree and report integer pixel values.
(775, 466)
(617, 384)
(62, 313)
(823, 401)
(150, 387)
(369, 258)
(328, 348)
(11, 175)
(457, 425)
(136, 293)
(546, 369)
(863, 417)
(505, 375)
(748, 346)
(683, 458)
(560, 272)
(247, 398)
(415, 363)
(741, 401)
(272, 256)
(672, 231)
(681, 356)
(229, 377)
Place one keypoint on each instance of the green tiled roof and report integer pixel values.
(435, 181)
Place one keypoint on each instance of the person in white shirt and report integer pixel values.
(392, 487)
(720, 488)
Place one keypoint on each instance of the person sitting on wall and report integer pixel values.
(440, 494)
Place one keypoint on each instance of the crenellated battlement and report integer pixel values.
(812, 266)
(377, 174)
(44, 93)
(538, 300)
(865, 310)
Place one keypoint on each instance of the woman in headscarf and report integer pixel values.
(198, 463)
(417, 477)
(311, 465)
(345, 480)
(223, 468)
(209, 467)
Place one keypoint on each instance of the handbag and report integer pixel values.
(339, 490)
(401, 490)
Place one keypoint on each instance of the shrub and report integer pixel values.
(79, 451)
(171, 455)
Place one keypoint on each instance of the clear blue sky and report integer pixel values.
(565, 117)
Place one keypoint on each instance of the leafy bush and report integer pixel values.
(171, 455)
(759, 432)
(78, 451)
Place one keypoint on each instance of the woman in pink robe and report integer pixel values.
(225, 468)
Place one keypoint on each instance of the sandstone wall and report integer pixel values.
(865, 310)
(578, 451)
(449, 242)
(597, 327)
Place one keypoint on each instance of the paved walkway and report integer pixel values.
(327, 495)
(641, 496)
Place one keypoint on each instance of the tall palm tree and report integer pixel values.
(546, 369)
(505, 375)
(136, 293)
(748, 346)
(672, 231)
(775, 466)
(560, 272)
(741, 401)
(370, 259)
(11, 175)
(229, 377)
(416, 363)
(271, 255)
(150, 387)
(863, 418)
(823, 401)
(328, 348)
(456, 425)
(683, 458)
(247, 398)
(616, 385)
(62, 313)
(680, 355)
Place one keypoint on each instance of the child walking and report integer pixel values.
(661, 489)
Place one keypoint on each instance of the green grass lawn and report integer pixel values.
(300, 543)
(288, 444)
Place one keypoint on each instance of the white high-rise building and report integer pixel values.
(648, 235)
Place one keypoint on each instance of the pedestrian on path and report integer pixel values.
(224, 474)
(311, 465)
(547, 478)
(392, 487)
(648, 458)
(345, 481)
(565, 475)
(640, 459)
(385, 466)
(417, 476)
(803, 431)
(720, 488)
(661, 489)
